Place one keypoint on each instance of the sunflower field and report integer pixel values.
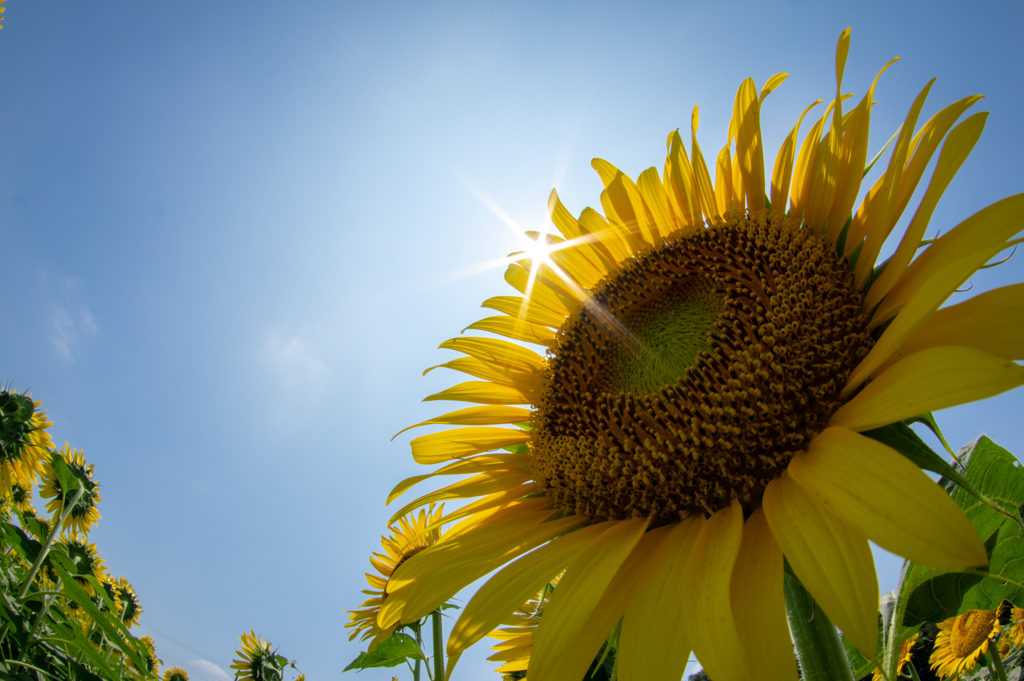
(721, 421)
(63, 615)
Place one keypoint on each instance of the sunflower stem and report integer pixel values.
(818, 648)
(913, 671)
(64, 513)
(47, 601)
(437, 636)
(997, 662)
(419, 642)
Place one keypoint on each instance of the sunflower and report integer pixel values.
(516, 635)
(258, 662)
(127, 600)
(24, 441)
(905, 656)
(148, 651)
(86, 559)
(19, 499)
(175, 674)
(413, 534)
(961, 640)
(85, 512)
(1013, 635)
(712, 362)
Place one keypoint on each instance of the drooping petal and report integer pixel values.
(758, 604)
(831, 558)
(495, 351)
(475, 464)
(490, 415)
(520, 278)
(515, 329)
(653, 645)
(932, 379)
(709, 623)
(702, 179)
(509, 588)
(520, 308)
(564, 644)
(887, 498)
(495, 373)
(481, 392)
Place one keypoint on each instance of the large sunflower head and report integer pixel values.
(175, 674)
(408, 536)
(715, 352)
(256, 661)
(86, 559)
(86, 510)
(24, 442)
(962, 640)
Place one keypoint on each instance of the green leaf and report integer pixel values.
(107, 624)
(936, 595)
(68, 481)
(27, 547)
(390, 652)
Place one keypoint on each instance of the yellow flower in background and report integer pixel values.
(86, 559)
(20, 499)
(24, 442)
(175, 674)
(712, 362)
(149, 656)
(516, 635)
(1013, 635)
(85, 512)
(412, 534)
(961, 640)
(254, 657)
(127, 600)
(905, 656)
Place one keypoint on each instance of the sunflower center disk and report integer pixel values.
(697, 371)
(970, 631)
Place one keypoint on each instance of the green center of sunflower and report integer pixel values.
(699, 370)
(970, 631)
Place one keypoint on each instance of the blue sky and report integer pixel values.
(233, 235)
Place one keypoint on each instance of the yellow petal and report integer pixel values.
(831, 558)
(653, 645)
(929, 380)
(492, 503)
(481, 392)
(758, 603)
(702, 179)
(509, 355)
(679, 182)
(724, 181)
(654, 195)
(514, 328)
(518, 277)
(520, 308)
(888, 499)
(564, 644)
(495, 373)
(476, 486)
(709, 622)
(782, 173)
(477, 416)
(459, 443)
(476, 464)
(627, 201)
(954, 152)
(747, 114)
(959, 252)
(582, 241)
(512, 586)
(992, 321)
(769, 87)
(606, 236)
(880, 222)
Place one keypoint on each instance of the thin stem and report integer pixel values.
(818, 648)
(997, 662)
(35, 626)
(438, 640)
(65, 512)
(419, 642)
(913, 671)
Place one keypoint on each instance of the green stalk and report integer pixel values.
(35, 626)
(438, 636)
(913, 671)
(419, 642)
(997, 662)
(818, 648)
(65, 512)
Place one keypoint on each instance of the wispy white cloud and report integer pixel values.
(210, 670)
(294, 362)
(69, 329)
